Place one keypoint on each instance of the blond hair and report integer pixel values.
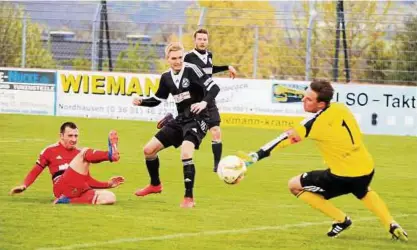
(175, 46)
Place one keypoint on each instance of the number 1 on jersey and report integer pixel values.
(344, 124)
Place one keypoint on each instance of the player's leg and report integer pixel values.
(90, 196)
(112, 154)
(150, 152)
(216, 136)
(216, 145)
(72, 187)
(187, 151)
(79, 164)
(73, 182)
(170, 134)
(82, 160)
(104, 197)
(315, 188)
(377, 206)
(194, 133)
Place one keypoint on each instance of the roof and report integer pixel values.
(63, 51)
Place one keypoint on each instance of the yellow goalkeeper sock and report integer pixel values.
(325, 206)
(374, 203)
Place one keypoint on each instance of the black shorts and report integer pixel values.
(329, 185)
(175, 132)
(214, 116)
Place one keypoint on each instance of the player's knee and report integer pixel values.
(78, 163)
(186, 154)
(294, 185)
(106, 198)
(187, 150)
(149, 151)
(82, 153)
(216, 134)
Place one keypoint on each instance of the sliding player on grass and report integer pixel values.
(69, 167)
(350, 166)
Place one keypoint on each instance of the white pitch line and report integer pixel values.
(204, 233)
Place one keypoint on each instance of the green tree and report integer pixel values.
(11, 26)
(282, 41)
(380, 57)
(366, 22)
(232, 27)
(407, 52)
(138, 58)
(80, 62)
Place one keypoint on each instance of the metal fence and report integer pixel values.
(350, 41)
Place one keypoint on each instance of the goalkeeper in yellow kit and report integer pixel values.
(350, 166)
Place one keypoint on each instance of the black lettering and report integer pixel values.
(362, 101)
(351, 99)
(405, 102)
(387, 99)
(396, 102)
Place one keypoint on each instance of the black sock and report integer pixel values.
(153, 170)
(217, 152)
(189, 174)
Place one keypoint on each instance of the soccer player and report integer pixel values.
(69, 167)
(192, 90)
(350, 166)
(203, 58)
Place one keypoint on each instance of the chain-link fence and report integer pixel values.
(346, 41)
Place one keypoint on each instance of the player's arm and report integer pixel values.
(217, 69)
(289, 137)
(205, 82)
(212, 90)
(113, 182)
(230, 68)
(33, 174)
(160, 95)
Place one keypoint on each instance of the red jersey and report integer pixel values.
(57, 158)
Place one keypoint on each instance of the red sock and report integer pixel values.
(96, 156)
(88, 197)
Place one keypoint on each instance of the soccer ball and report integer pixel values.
(231, 169)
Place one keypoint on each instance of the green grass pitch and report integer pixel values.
(258, 213)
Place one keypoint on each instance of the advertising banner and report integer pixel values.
(108, 95)
(379, 109)
(27, 91)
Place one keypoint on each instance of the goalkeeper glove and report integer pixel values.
(249, 159)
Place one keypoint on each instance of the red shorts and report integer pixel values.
(72, 184)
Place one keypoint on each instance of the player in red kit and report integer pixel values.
(69, 167)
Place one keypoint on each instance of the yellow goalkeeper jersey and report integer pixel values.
(339, 139)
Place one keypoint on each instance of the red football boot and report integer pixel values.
(112, 144)
(187, 203)
(149, 190)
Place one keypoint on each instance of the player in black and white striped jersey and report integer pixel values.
(192, 90)
(203, 58)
